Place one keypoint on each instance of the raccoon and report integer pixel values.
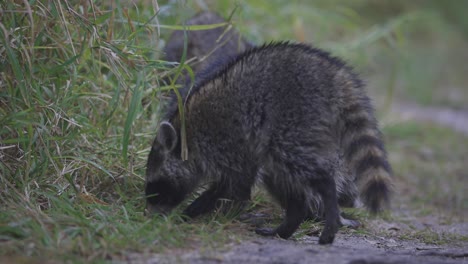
(291, 116)
(205, 46)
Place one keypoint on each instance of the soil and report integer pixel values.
(351, 246)
(347, 249)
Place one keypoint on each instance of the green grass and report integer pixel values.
(81, 95)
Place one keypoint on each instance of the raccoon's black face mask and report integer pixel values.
(164, 188)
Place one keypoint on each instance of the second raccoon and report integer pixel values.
(290, 114)
(205, 46)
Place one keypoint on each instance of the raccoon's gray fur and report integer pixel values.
(206, 46)
(289, 114)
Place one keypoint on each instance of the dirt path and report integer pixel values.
(347, 249)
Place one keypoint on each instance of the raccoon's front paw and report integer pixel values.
(266, 231)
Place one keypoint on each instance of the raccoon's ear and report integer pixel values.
(167, 136)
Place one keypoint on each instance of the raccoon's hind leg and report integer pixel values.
(292, 191)
(295, 214)
(326, 188)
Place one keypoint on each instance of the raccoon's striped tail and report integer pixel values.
(365, 154)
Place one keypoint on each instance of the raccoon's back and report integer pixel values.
(275, 93)
(277, 76)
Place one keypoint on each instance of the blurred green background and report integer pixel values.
(413, 47)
